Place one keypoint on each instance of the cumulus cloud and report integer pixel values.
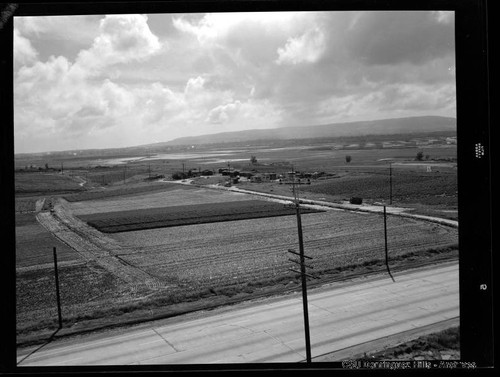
(216, 27)
(24, 52)
(194, 85)
(223, 113)
(306, 48)
(122, 38)
(209, 73)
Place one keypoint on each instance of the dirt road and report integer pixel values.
(94, 245)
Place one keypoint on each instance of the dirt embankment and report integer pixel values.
(93, 245)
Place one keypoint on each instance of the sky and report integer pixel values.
(109, 81)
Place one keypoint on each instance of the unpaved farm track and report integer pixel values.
(93, 245)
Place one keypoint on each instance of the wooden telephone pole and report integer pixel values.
(302, 272)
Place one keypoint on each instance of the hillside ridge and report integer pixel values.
(359, 128)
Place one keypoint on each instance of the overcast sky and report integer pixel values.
(111, 81)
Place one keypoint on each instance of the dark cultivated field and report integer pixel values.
(82, 287)
(44, 183)
(432, 188)
(187, 215)
(34, 244)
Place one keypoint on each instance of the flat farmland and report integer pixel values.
(245, 251)
(125, 191)
(34, 244)
(83, 288)
(46, 183)
(173, 195)
(124, 221)
(194, 262)
(414, 187)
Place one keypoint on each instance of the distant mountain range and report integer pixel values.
(363, 128)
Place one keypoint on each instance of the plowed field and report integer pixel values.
(125, 221)
(210, 255)
(174, 264)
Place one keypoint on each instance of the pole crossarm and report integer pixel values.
(305, 273)
(299, 263)
(294, 252)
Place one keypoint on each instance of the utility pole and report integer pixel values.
(57, 290)
(302, 273)
(386, 251)
(390, 183)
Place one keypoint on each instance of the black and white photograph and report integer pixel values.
(273, 187)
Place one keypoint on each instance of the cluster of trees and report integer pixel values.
(420, 156)
(39, 168)
(190, 174)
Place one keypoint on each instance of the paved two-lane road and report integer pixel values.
(272, 330)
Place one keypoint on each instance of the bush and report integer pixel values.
(179, 175)
(355, 200)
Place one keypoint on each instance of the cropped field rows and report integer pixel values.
(34, 244)
(92, 245)
(187, 215)
(226, 254)
(179, 195)
(125, 191)
(405, 187)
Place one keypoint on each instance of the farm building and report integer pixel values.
(264, 177)
(246, 174)
(229, 172)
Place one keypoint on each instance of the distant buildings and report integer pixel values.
(264, 177)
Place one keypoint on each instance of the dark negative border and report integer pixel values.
(474, 172)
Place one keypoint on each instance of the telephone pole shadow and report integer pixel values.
(48, 341)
